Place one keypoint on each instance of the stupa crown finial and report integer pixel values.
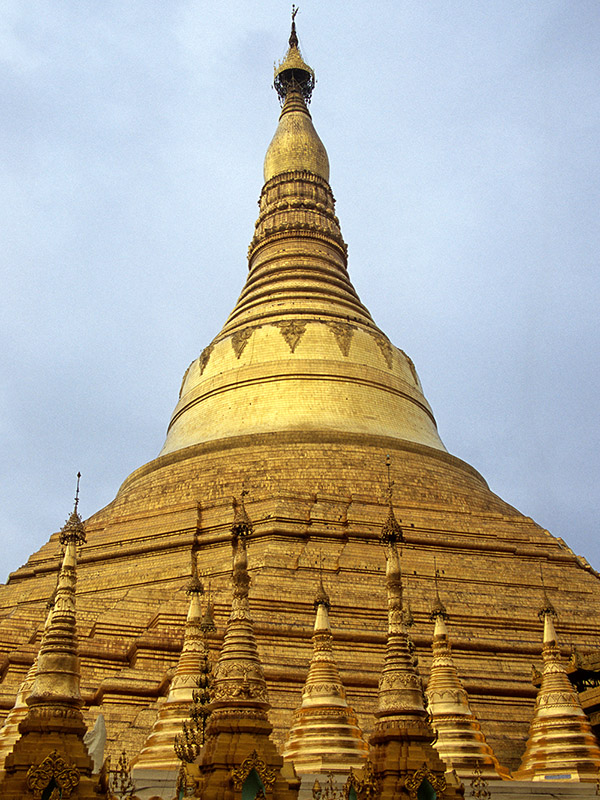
(438, 609)
(546, 609)
(73, 530)
(241, 526)
(195, 585)
(293, 73)
(391, 531)
(321, 597)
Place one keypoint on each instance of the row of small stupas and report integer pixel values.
(212, 738)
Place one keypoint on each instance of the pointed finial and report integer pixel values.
(242, 526)
(321, 598)
(391, 531)
(293, 74)
(73, 530)
(547, 609)
(438, 609)
(293, 35)
(195, 585)
(77, 491)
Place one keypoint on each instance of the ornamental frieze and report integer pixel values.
(343, 332)
(254, 762)
(240, 339)
(53, 772)
(292, 331)
(414, 781)
(204, 357)
(385, 346)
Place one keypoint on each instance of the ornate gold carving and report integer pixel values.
(343, 332)
(240, 339)
(254, 761)
(53, 768)
(292, 331)
(414, 781)
(367, 787)
(385, 346)
(479, 787)
(205, 356)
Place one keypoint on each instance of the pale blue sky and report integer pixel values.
(463, 141)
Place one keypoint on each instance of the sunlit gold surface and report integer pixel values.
(296, 144)
(560, 740)
(299, 399)
(239, 729)
(54, 721)
(324, 735)
(158, 751)
(460, 740)
(401, 742)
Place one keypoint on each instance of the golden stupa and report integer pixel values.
(296, 403)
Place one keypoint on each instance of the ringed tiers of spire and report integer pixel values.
(299, 328)
(561, 741)
(460, 741)
(324, 735)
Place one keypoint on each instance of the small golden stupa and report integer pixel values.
(561, 745)
(460, 740)
(324, 735)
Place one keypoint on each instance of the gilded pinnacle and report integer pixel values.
(322, 598)
(195, 585)
(391, 531)
(293, 73)
(73, 530)
(241, 526)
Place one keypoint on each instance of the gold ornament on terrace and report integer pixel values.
(254, 761)
(365, 784)
(242, 526)
(479, 787)
(460, 740)
(120, 781)
(414, 781)
(53, 773)
(324, 734)
(391, 531)
(561, 741)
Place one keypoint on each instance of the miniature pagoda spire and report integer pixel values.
(158, 752)
(238, 752)
(402, 738)
(561, 741)
(460, 740)
(9, 733)
(51, 748)
(324, 735)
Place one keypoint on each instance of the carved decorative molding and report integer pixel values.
(343, 332)
(205, 356)
(385, 346)
(240, 339)
(53, 768)
(292, 331)
(254, 761)
(414, 781)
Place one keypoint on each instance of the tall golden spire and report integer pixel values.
(401, 742)
(9, 733)
(158, 751)
(298, 327)
(324, 735)
(460, 740)
(51, 743)
(238, 745)
(561, 742)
